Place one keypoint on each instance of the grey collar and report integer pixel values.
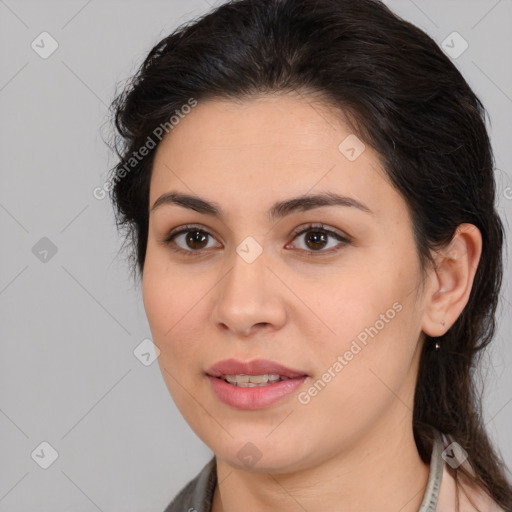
(429, 503)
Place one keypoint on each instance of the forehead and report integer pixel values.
(276, 145)
(251, 126)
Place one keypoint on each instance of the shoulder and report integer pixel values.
(196, 495)
(470, 499)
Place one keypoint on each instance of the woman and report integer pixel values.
(308, 187)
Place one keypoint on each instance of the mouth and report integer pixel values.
(252, 381)
(253, 384)
(258, 372)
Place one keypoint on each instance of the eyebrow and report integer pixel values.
(278, 210)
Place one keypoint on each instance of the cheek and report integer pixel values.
(373, 323)
(170, 298)
(178, 301)
(158, 292)
(359, 296)
(171, 308)
(364, 370)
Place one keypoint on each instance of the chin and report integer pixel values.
(263, 454)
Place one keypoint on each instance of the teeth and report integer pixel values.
(251, 381)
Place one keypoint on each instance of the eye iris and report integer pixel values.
(317, 237)
(194, 237)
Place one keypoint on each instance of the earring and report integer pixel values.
(437, 345)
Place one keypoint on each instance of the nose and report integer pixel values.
(249, 298)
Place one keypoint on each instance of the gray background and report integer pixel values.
(70, 323)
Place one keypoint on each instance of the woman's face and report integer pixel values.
(342, 306)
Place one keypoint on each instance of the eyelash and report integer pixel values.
(299, 231)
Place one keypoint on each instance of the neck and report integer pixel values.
(383, 471)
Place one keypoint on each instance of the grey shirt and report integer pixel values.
(197, 495)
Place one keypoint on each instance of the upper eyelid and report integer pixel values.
(321, 227)
(186, 228)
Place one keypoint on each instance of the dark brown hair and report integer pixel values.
(407, 100)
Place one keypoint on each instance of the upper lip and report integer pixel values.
(254, 367)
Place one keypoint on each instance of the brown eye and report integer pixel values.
(190, 240)
(196, 239)
(317, 238)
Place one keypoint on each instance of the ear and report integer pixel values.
(452, 280)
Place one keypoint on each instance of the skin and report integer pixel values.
(351, 447)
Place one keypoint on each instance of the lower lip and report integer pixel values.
(256, 397)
